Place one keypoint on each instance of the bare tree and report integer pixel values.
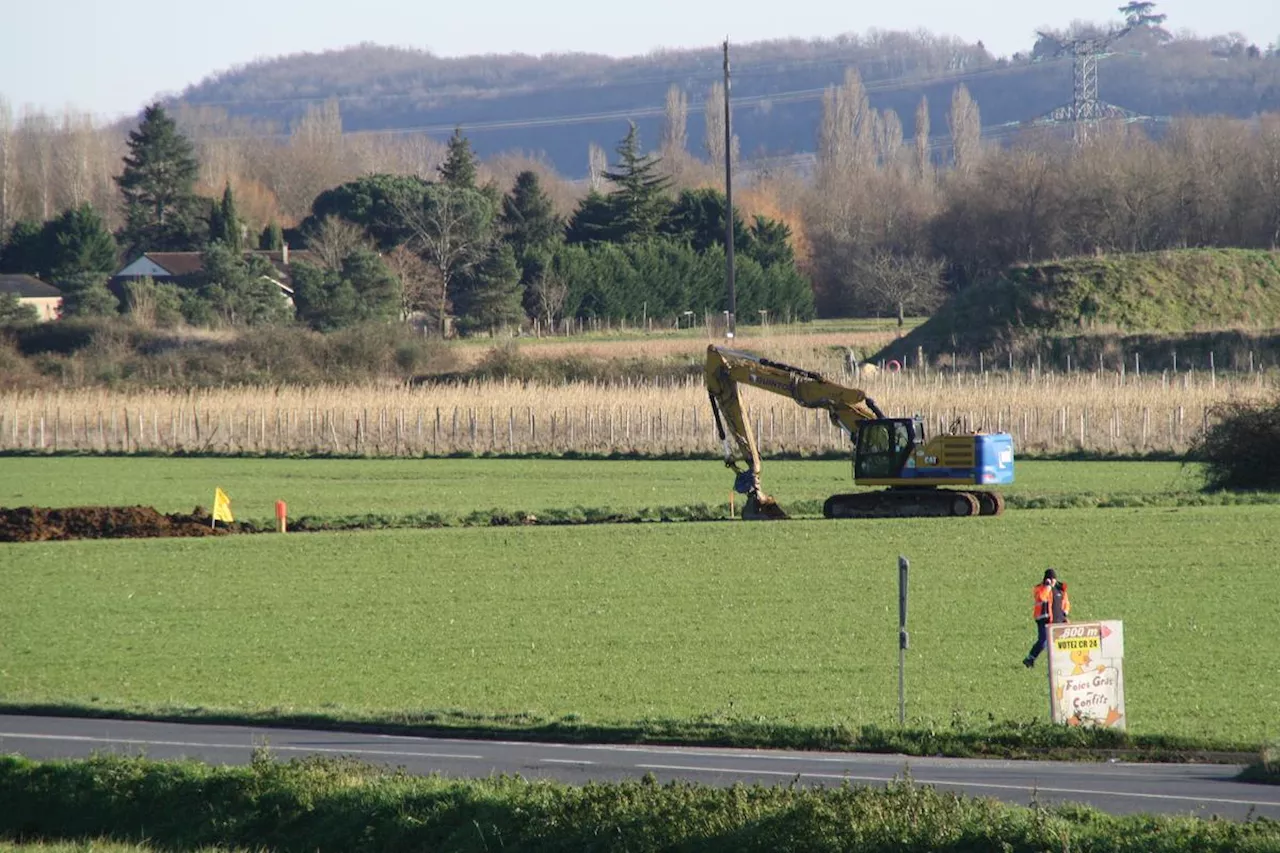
(550, 292)
(675, 135)
(450, 229)
(313, 161)
(8, 163)
(419, 284)
(713, 142)
(334, 240)
(966, 130)
(847, 133)
(924, 162)
(35, 146)
(597, 163)
(72, 160)
(906, 283)
(889, 141)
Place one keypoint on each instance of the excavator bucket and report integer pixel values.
(761, 507)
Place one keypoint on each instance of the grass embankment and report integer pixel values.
(1174, 292)
(711, 633)
(337, 805)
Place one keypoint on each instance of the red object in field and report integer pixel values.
(282, 514)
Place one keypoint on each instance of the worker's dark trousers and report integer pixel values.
(1042, 637)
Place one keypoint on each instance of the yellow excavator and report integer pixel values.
(920, 474)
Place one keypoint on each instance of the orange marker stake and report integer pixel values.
(282, 515)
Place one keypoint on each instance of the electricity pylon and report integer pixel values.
(1085, 109)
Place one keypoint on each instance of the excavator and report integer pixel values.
(920, 474)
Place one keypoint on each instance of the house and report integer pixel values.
(180, 267)
(45, 298)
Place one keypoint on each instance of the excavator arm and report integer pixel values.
(727, 370)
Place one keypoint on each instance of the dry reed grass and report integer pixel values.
(1046, 413)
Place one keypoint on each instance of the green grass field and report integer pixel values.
(336, 487)
(787, 623)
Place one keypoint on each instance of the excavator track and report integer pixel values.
(913, 503)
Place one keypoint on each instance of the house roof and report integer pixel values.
(28, 287)
(179, 264)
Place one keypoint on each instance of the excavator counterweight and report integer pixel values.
(919, 475)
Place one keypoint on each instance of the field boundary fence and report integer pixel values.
(1045, 413)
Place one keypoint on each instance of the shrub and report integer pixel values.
(1241, 449)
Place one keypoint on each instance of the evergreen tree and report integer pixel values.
(158, 185)
(771, 243)
(697, 218)
(459, 167)
(224, 222)
(594, 220)
(528, 217)
(377, 289)
(362, 290)
(532, 229)
(640, 200)
(384, 205)
(27, 250)
(86, 295)
(13, 312)
(491, 294)
(239, 289)
(80, 243)
(272, 238)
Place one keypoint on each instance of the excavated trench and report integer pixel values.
(40, 524)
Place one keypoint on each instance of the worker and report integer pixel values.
(1051, 605)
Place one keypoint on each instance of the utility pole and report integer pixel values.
(728, 196)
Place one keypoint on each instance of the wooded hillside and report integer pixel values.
(560, 104)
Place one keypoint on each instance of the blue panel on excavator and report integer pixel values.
(993, 457)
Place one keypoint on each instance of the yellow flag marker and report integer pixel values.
(221, 508)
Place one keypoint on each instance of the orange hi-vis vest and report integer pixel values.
(1044, 604)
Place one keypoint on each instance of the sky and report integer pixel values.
(111, 57)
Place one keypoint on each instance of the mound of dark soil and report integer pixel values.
(39, 524)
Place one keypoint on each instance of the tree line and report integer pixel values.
(446, 250)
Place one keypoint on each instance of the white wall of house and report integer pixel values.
(48, 307)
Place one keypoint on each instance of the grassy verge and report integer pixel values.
(311, 805)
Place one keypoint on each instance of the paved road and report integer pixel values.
(1116, 787)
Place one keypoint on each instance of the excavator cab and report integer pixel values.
(882, 447)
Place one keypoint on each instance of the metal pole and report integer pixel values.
(728, 196)
(903, 566)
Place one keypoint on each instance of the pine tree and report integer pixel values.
(158, 185)
(640, 200)
(593, 221)
(491, 295)
(80, 243)
(459, 166)
(272, 238)
(530, 225)
(224, 226)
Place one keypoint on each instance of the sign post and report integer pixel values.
(1086, 674)
(903, 566)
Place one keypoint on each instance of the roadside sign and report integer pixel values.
(1086, 674)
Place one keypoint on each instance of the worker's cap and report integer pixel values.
(1050, 573)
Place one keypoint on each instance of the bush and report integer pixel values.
(1241, 450)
